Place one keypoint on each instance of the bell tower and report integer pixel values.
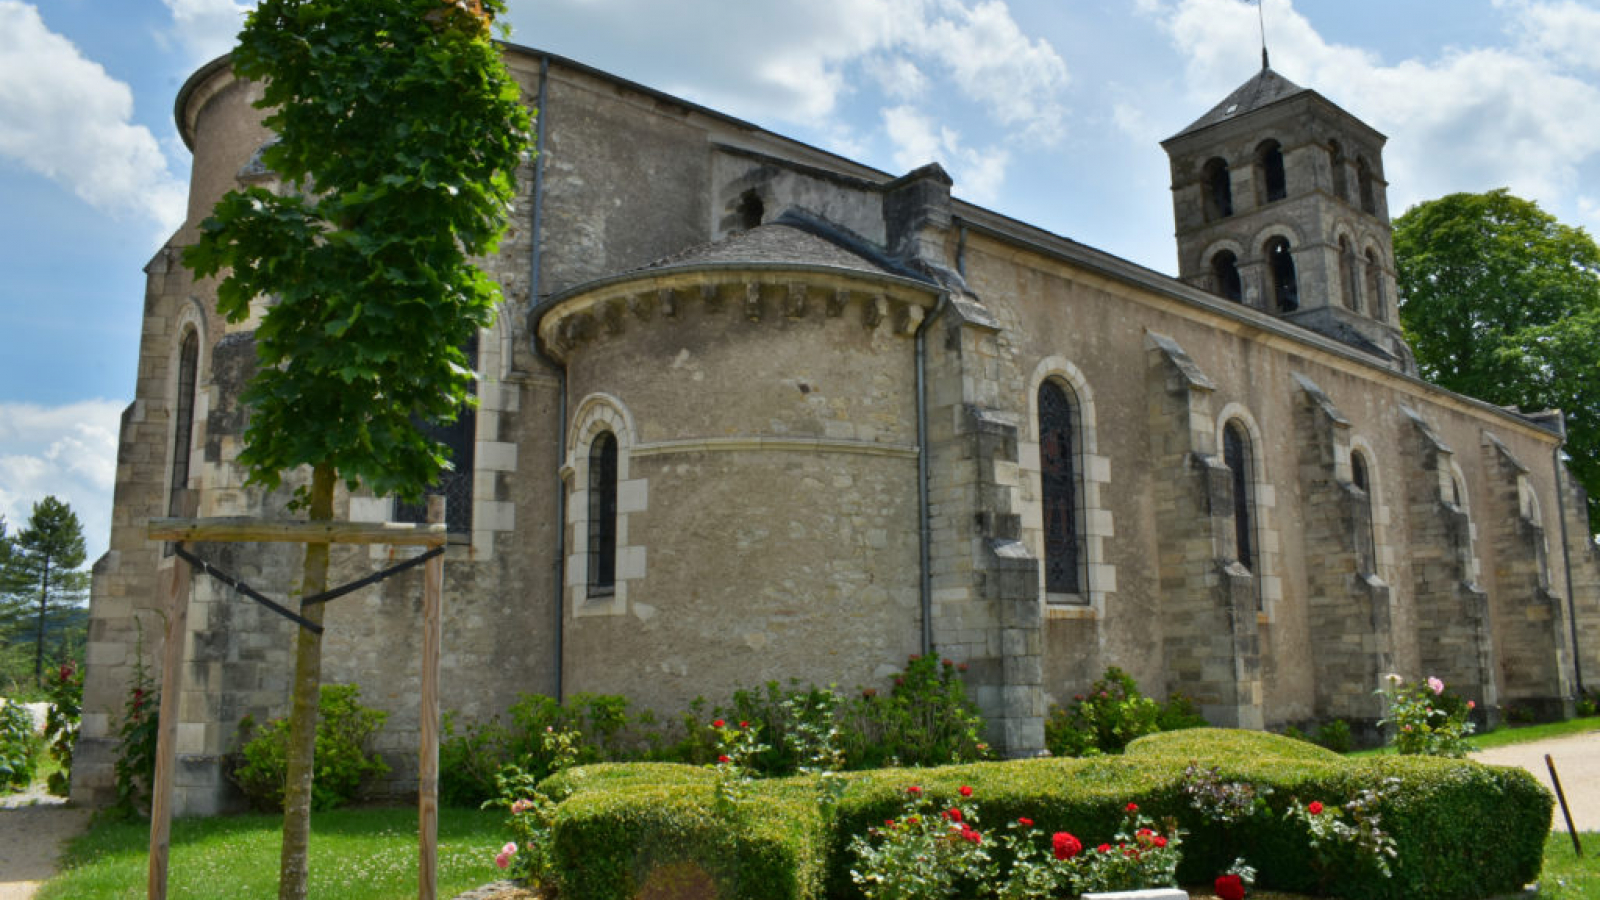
(1279, 201)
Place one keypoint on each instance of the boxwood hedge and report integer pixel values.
(1463, 830)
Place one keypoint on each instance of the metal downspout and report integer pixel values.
(1566, 559)
(924, 516)
(536, 260)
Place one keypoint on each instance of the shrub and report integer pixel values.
(65, 692)
(344, 730)
(1427, 719)
(135, 768)
(1113, 713)
(19, 746)
(618, 827)
(925, 720)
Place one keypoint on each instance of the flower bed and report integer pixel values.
(622, 830)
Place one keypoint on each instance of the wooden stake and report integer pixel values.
(428, 756)
(1555, 779)
(176, 581)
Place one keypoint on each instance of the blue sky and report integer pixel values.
(1046, 110)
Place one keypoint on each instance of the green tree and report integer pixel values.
(44, 581)
(1501, 301)
(399, 132)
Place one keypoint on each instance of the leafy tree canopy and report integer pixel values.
(1501, 301)
(399, 132)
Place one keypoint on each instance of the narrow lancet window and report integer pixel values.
(1058, 463)
(1366, 544)
(1341, 182)
(602, 514)
(183, 421)
(1369, 197)
(1274, 182)
(1375, 287)
(1350, 278)
(1236, 454)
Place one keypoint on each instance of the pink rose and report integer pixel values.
(521, 806)
(1435, 685)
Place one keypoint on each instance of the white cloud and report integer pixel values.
(67, 451)
(1471, 120)
(207, 28)
(919, 140)
(1566, 31)
(62, 116)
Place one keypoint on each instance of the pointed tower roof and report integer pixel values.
(1264, 88)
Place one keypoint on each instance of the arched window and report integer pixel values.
(1369, 198)
(1274, 183)
(1225, 273)
(751, 210)
(1218, 189)
(183, 420)
(1349, 275)
(602, 578)
(1059, 471)
(1341, 182)
(1285, 284)
(1366, 548)
(1375, 286)
(1236, 453)
(460, 439)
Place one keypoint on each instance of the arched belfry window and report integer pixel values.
(1218, 189)
(1375, 296)
(1059, 471)
(1369, 197)
(1274, 182)
(1285, 283)
(455, 483)
(602, 514)
(1341, 181)
(1236, 454)
(183, 420)
(1225, 272)
(1349, 275)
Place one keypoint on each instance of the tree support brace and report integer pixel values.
(323, 597)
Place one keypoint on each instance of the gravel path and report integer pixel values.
(1577, 761)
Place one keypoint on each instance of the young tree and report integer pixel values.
(44, 578)
(399, 131)
(1502, 302)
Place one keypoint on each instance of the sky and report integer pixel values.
(1049, 111)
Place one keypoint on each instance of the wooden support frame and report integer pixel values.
(175, 586)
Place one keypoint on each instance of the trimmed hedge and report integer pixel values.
(1463, 830)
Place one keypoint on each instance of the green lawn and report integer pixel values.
(367, 854)
(1565, 876)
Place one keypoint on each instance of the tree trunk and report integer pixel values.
(38, 646)
(293, 866)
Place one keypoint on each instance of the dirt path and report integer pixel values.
(1577, 761)
(34, 827)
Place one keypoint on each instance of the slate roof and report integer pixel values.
(1265, 88)
(789, 240)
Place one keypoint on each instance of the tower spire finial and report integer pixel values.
(1261, 17)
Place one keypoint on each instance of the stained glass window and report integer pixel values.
(1058, 466)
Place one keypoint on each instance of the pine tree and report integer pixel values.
(45, 583)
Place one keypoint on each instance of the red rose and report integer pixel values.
(947, 663)
(1159, 841)
(1104, 848)
(723, 759)
(1229, 887)
(717, 723)
(744, 724)
(966, 791)
(914, 791)
(1132, 807)
(971, 835)
(1314, 807)
(952, 814)
(1025, 822)
(1064, 845)
(961, 667)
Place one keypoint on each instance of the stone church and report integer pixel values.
(756, 411)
